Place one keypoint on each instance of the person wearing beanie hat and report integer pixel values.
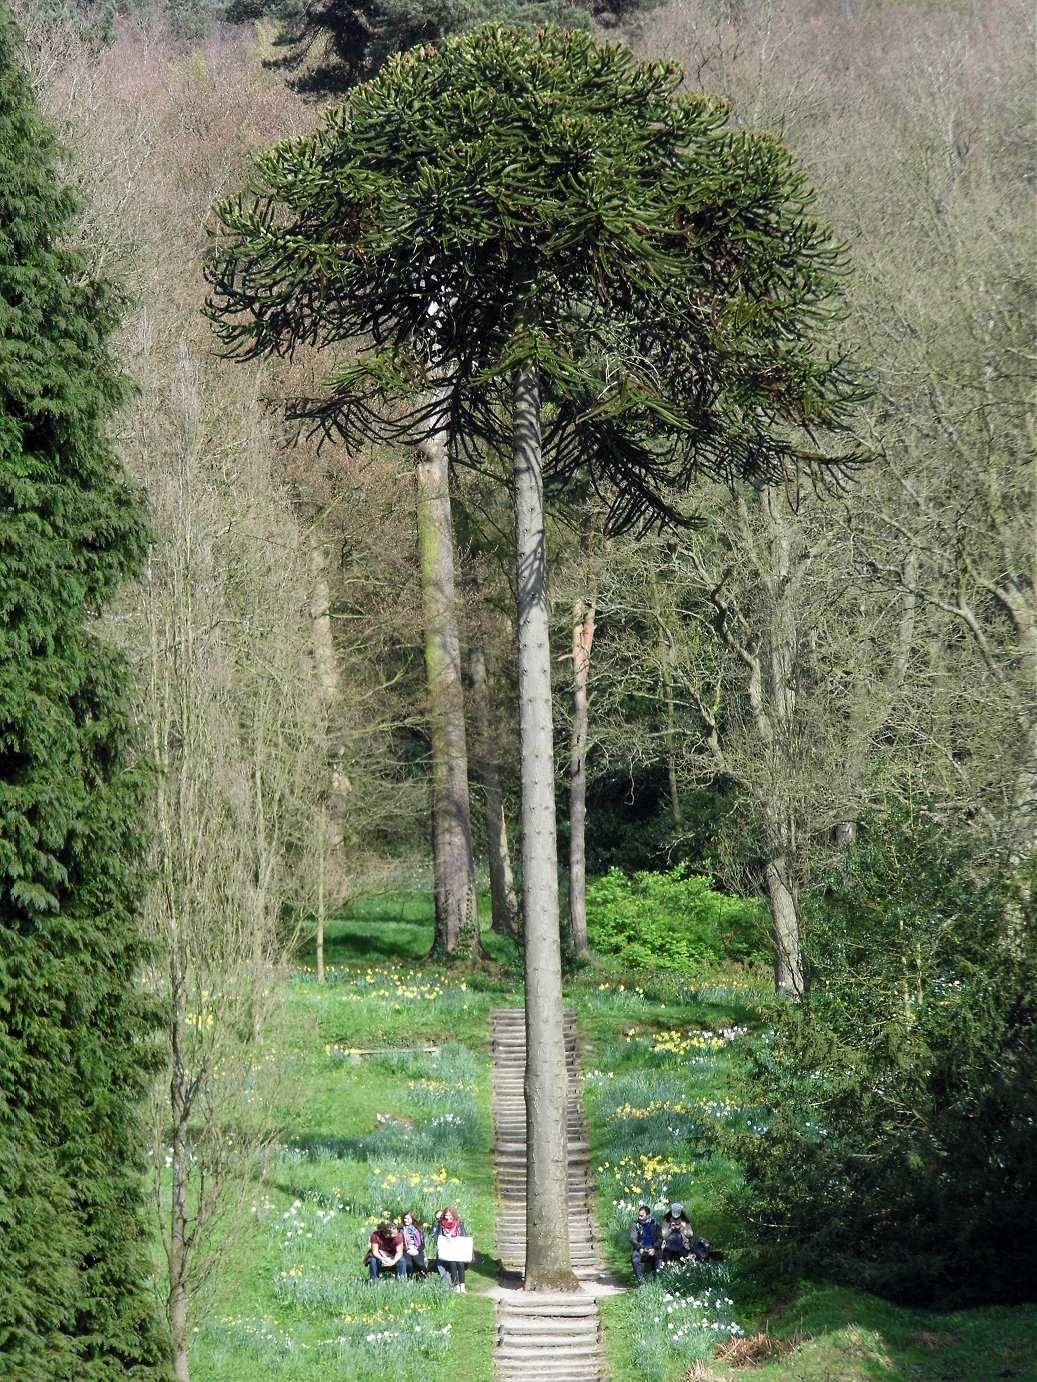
(677, 1234)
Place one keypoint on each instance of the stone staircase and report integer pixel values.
(549, 1335)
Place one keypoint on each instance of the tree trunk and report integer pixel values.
(339, 785)
(322, 856)
(331, 822)
(671, 744)
(773, 704)
(583, 639)
(178, 1247)
(788, 963)
(503, 899)
(548, 1263)
(457, 920)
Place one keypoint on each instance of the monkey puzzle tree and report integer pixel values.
(543, 221)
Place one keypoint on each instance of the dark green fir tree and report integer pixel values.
(74, 1028)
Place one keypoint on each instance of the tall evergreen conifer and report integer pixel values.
(73, 1027)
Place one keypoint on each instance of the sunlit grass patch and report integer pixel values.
(616, 996)
(399, 1329)
(366, 983)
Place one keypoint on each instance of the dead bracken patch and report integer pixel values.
(929, 1339)
(698, 1372)
(755, 1349)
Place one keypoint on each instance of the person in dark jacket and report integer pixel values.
(645, 1240)
(413, 1244)
(677, 1235)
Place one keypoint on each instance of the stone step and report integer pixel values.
(579, 1249)
(549, 1328)
(572, 1370)
(513, 1230)
(538, 1363)
(552, 1336)
(514, 1187)
(506, 1015)
(544, 1302)
(520, 1337)
(515, 1158)
(539, 1353)
(513, 1245)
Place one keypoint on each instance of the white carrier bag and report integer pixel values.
(458, 1249)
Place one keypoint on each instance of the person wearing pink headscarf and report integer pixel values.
(448, 1225)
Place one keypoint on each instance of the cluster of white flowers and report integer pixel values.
(446, 1120)
(190, 1157)
(293, 1223)
(297, 1223)
(709, 1311)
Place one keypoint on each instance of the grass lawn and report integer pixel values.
(380, 1123)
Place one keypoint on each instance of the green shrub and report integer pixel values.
(671, 920)
(895, 1144)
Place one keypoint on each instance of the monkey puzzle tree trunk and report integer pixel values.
(503, 900)
(457, 921)
(583, 639)
(548, 1263)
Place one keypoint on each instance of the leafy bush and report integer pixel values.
(672, 920)
(898, 1144)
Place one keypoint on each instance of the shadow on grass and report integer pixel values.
(843, 1333)
(351, 943)
(395, 929)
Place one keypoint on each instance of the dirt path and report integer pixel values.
(542, 1335)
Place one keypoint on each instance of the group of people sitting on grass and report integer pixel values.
(654, 1244)
(400, 1248)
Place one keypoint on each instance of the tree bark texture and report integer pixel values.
(772, 699)
(582, 640)
(548, 1262)
(332, 819)
(503, 898)
(339, 786)
(177, 1244)
(788, 964)
(457, 922)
